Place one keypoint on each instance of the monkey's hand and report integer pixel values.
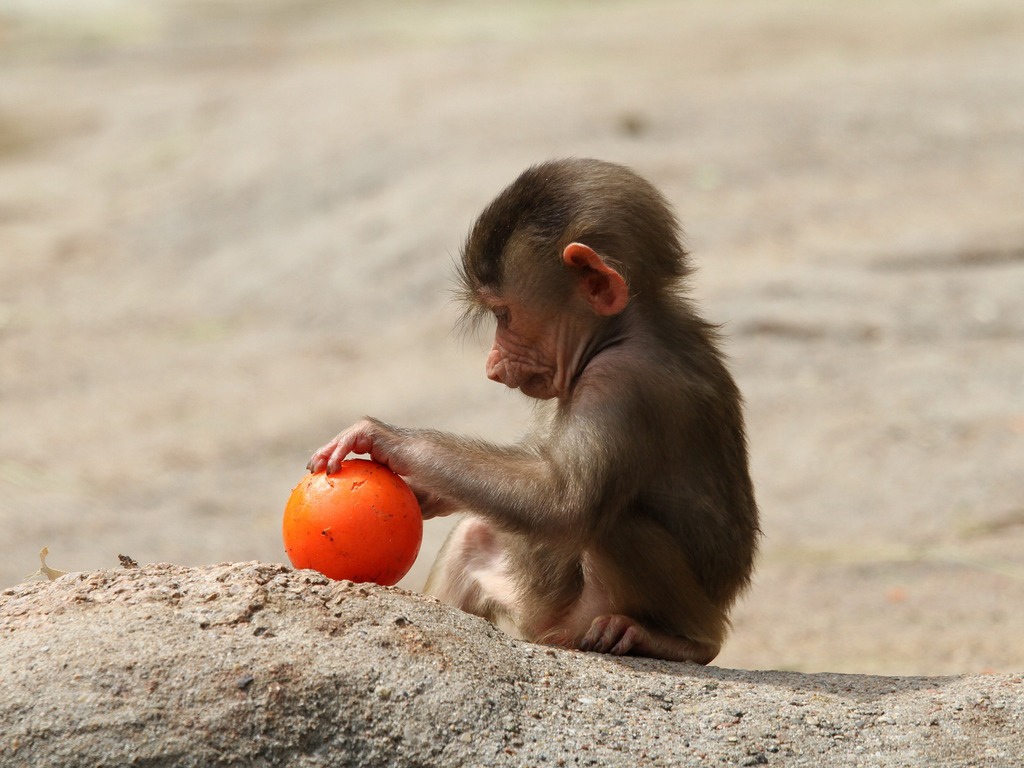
(368, 436)
(618, 635)
(384, 444)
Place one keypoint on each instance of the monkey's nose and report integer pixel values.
(496, 368)
(494, 372)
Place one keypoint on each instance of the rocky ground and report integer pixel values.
(260, 665)
(226, 231)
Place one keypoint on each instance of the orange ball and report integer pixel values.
(362, 523)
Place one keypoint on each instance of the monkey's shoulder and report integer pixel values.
(658, 370)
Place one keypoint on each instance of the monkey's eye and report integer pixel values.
(502, 315)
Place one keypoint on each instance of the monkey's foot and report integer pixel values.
(618, 635)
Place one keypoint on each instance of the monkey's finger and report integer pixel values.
(629, 640)
(318, 460)
(594, 634)
(346, 443)
(615, 634)
(318, 464)
(315, 463)
(333, 463)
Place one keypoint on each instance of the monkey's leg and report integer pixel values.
(618, 635)
(471, 573)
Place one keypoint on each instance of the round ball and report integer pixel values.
(362, 523)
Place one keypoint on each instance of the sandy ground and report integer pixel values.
(226, 231)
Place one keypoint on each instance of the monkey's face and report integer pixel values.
(535, 351)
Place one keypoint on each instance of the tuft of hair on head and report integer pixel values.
(517, 241)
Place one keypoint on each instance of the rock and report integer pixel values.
(257, 664)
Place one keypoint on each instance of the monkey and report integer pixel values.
(625, 522)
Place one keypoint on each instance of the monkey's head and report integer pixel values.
(556, 258)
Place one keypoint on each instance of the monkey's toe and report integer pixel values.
(615, 634)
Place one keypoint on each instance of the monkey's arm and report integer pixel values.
(552, 488)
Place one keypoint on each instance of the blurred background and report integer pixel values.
(227, 231)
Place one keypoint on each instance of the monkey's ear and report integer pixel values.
(602, 287)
